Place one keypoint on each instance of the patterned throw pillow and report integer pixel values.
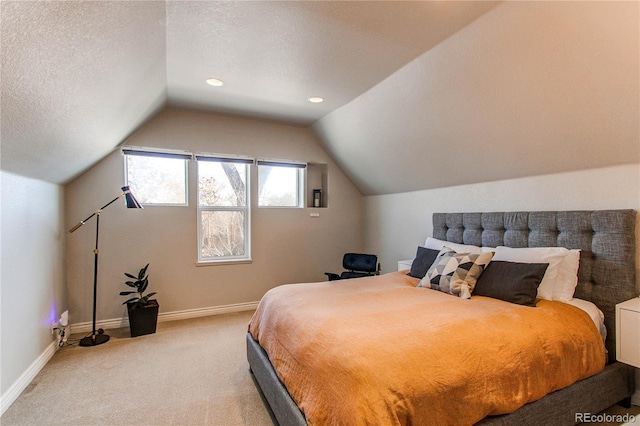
(456, 273)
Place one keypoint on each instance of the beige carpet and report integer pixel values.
(191, 372)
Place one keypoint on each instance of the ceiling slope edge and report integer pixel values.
(500, 100)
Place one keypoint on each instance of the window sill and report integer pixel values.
(281, 207)
(224, 262)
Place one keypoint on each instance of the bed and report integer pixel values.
(606, 276)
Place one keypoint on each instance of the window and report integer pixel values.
(280, 184)
(157, 177)
(223, 208)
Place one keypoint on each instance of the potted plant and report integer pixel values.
(143, 311)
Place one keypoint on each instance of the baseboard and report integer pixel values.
(204, 312)
(23, 381)
(85, 327)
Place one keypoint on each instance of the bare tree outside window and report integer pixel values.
(222, 234)
(223, 210)
(157, 180)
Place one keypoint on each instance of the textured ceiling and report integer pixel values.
(274, 55)
(528, 89)
(417, 95)
(79, 77)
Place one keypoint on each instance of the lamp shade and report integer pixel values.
(131, 201)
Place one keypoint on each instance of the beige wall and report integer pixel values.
(288, 245)
(33, 293)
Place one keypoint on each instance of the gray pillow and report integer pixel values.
(511, 281)
(422, 262)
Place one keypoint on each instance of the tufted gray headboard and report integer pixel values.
(606, 237)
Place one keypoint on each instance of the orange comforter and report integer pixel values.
(379, 351)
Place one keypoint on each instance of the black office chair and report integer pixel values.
(357, 265)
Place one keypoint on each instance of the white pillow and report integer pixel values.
(567, 278)
(551, 255)
(436, 244)
(596, 314)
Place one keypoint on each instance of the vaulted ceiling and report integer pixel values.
(417, 94)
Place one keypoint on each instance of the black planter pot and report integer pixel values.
(143, 319)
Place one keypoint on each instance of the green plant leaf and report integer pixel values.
(140, 284)
(142, 272)
(143, 285)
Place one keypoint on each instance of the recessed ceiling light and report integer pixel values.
(316, 99)
(214, 82)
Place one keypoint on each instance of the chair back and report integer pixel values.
(360, 262)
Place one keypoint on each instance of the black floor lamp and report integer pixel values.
(100, 338)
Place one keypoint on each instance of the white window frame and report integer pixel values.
(160, 153)
(299, 180)
(246, 209)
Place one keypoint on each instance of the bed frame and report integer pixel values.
(606, 277)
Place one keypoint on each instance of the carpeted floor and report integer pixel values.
(191, 372)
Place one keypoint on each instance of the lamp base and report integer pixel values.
(94, 340)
